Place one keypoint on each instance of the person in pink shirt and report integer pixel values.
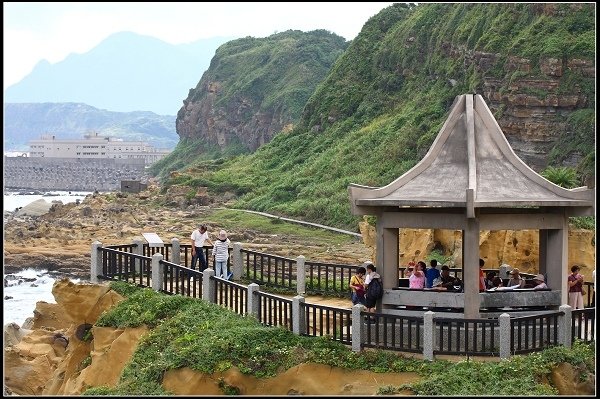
(416, 278)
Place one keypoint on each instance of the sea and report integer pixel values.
(24, 289)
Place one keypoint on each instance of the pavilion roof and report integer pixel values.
(470, 165)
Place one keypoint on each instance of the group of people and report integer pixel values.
(366, 287)
(420, 277)
(220, 251)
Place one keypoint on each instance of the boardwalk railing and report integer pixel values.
(428, 335)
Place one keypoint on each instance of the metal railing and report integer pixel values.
(393, 332)
(181, 280)
(274, 310)
(328, 277)
(269, 270)
(322, 320)
(467, 337)
(231, 295)
(383, 331)
(534, 333)
(583, 324)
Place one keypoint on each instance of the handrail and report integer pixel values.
(385, 331)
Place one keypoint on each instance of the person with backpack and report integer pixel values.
(374, 289)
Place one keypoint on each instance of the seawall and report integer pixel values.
(70, 173)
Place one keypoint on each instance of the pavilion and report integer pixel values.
(471, 180)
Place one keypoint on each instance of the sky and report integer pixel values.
(35, 31)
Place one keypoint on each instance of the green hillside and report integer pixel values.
(385, 99)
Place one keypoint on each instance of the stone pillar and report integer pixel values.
(157, 272)
(428, 335)
(175, 251)
(471, 269)
(557, 268)
(356, 328)
(253, 302)
(96, 264)
(300, 275)
(298, 315)
(504, 333)
(237, 266)
(388, 258)
(543, 250)
(208, 285)
(564, 325)
(138, 250)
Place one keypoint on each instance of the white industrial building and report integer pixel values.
(94, 146)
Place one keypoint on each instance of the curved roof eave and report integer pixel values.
(471, 164)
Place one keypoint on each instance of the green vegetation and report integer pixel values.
(384, 100)
(207, 338)
(561, 176)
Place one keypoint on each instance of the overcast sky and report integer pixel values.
(35, 31)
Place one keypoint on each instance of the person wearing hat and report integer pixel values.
(221, 253)
(540, 280)
(446, 282)
(199, 237)
(515, 280)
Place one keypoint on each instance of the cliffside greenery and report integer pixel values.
(386, 97)
(188, 332)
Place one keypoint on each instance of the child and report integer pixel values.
(357, 286)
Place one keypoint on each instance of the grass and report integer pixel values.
(207, 338)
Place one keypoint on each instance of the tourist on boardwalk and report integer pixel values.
(481, 276)
(199, 237)
(540, 282)
(431, 273)
(575, 282)
(221, 253)
(515, 280)
(357, 286)
(372, 296)
(416, 277)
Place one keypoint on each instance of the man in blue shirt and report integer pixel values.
(431, 273)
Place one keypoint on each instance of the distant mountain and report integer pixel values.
(28, 121)
(125, 72)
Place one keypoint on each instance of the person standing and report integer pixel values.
(221, 253)
(481, 276)
(575, 282)
(431, 274)
(199, 237)
(371, 300)
(357, 285)
(416, 278)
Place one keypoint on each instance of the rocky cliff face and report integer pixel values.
(256, 88)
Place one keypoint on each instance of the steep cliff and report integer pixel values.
(256, 87)
(385, 99)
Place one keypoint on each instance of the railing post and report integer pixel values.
(175, 251)
(428, 335)
(96, 264)
(298, 325)
(157, 272)
(138, 250)
(236, 255)
(300, 275)
(356, 328)
(564, 325)
(253, 301)
(504, 327)
(208, 285)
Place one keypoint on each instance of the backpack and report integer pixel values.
(375, 289)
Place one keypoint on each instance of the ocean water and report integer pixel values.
(23, 290)
(29, 286)
(14, 200)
